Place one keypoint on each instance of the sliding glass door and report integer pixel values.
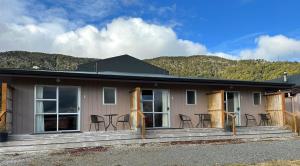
(57, 108)
(155, 106)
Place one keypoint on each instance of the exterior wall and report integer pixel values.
(91, 101)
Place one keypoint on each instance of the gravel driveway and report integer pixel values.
(165, 154)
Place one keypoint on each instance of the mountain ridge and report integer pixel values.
(191, 66)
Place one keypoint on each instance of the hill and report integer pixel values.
(195, 66)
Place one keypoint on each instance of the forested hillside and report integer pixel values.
(195, 66)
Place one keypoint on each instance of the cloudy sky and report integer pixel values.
(236, 29)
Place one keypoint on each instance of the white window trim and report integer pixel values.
(57, 108)
(259, 98)
(115, 89)
(186, 99)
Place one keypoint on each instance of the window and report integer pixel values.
(190, 97)
(256, 98)
(109, 96)
(56, 108)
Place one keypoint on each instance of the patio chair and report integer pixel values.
(184, 119)
(265, 119)
(250, 118)
(124, 119)
(97, 120)
(206, 118)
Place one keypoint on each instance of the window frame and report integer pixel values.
(115, 95)
(186, 96)
(254, 99)
(36, 99)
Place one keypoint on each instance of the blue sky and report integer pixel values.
(236, 29)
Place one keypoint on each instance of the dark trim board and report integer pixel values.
(151, 78)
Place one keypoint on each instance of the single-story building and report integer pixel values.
(40, 101)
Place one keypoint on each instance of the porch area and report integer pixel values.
(47, 142)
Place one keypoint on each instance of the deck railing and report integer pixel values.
(290, 120)
(233, 117)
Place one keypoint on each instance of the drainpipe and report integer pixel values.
(285, 79)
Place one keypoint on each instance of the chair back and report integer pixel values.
(249, 117)
(94, 118)
(126, 117)
(264, 117)
(207, 117)
(184, 117)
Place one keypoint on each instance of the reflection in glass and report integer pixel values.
(45, 107)
(147, 106)
(149, 120)
(109, 96)
(68, 100)
(45, 92)
(67, 122)
(147, 95)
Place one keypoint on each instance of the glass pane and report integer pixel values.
(256, 98)
(147, 106)
(158, 101)
(109, 96)
(158, 120)
(45, 92)
(230, 102)
(149, 120)
(147, 95)
(68, 99)
(191, 97)
(50, 122)
(45, 123)
(67, 122)
(45, 106)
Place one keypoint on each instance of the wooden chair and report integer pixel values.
(250, 118)
(97, 120)
(184, 119)
(124, 119)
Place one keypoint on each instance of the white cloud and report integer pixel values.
(51, 32)
(277, 47)
(131, 36)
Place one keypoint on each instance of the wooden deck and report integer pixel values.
(45, 142)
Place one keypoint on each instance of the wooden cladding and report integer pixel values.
(135, 107)
(275, 106)
(3, 104)
(216, 108)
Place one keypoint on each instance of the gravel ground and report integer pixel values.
(164, 154)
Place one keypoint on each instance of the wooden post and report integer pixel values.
(3, 104)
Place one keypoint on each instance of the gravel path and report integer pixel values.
(162, 154)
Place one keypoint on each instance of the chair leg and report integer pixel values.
(123, 125)
(90, 126)
(247, 123)
(180, 124)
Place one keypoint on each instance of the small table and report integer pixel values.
(201, 116)
(110, 121)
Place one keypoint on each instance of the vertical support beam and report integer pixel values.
(138, 106)
(3, 104)
(223, 109)
(283, 107)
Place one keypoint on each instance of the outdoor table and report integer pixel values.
(200, 119)
(110, 122)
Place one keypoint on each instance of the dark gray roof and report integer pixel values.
(293, 79)
(138, 77)
(123, 63)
